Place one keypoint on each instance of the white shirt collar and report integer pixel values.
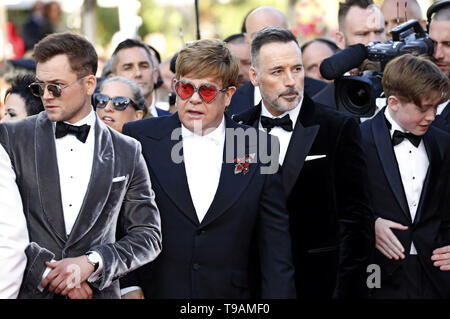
(152, 109)
(293, 114)
(217, 135)
(257, 96)
(394, 125)
(441, 107)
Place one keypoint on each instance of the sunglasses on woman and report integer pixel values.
(207, 92)
(119, 103)
(38, 88)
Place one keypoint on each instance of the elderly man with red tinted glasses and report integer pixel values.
(222, 217)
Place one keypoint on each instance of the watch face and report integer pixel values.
(92, 259)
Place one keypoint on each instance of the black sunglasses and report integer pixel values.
(38, 88)
(119, 103)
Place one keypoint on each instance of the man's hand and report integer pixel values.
(134, 294)
(83, 292)
(385, 240)
(441, 258)
(66, 274)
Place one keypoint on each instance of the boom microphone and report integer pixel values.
(336, 65)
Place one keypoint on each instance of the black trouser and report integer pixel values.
(408, 281)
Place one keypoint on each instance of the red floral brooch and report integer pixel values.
(242, 164)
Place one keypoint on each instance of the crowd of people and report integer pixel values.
(251, 185)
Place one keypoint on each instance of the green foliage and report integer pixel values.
(107, 23)
(218, 19)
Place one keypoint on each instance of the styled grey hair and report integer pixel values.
(137, 98)
(270, 35)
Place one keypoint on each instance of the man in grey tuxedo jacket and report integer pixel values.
(85, 189)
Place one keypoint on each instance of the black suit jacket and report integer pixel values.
(430, 228)
(442, 120)
(331, 221)
(212, 259)
(244, 97)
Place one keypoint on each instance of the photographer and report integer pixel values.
(408, 163)
(360, 21)
(440, 34)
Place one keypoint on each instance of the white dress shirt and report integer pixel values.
(203, 157)
(413, 166)
(283, 136)
(75, 160)
(13, 231)
(75, 165)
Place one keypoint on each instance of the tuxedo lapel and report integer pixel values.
(231, 184)
(388, 160)
(171, 175)
(99, 185)
(299, 145)
(430, 185)
(48, 175)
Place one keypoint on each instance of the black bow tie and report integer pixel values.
(398, 137)
(81, 132)
(285, 123)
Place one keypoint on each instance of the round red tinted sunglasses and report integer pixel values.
(207, 92)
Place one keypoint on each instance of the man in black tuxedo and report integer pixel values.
(323, 171)
(216, 205)
(440, 34)
(409, 167)
(247, 95)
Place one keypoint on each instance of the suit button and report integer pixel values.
(200, 232)
(196, 266)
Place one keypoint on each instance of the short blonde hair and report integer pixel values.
(205, 58)
(410, 78)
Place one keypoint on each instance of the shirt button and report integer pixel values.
(414, 177)
(70, 205)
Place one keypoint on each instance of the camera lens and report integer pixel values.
(358, 95)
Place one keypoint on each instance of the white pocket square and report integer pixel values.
(314, 157)
(118, 179)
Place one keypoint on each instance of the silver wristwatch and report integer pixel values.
(92, 260)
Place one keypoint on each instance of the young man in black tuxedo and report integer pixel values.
(409, 163)
(323, 171)
(216, 212)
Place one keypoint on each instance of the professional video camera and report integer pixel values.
(357, 95)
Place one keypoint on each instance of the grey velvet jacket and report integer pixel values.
(118, 219)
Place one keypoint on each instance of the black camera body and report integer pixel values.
(356, 95)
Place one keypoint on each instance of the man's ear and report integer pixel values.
(91, 83)
(340, 40)
(139, 114)
(253, 76)
(229, 94)
(393, 103)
